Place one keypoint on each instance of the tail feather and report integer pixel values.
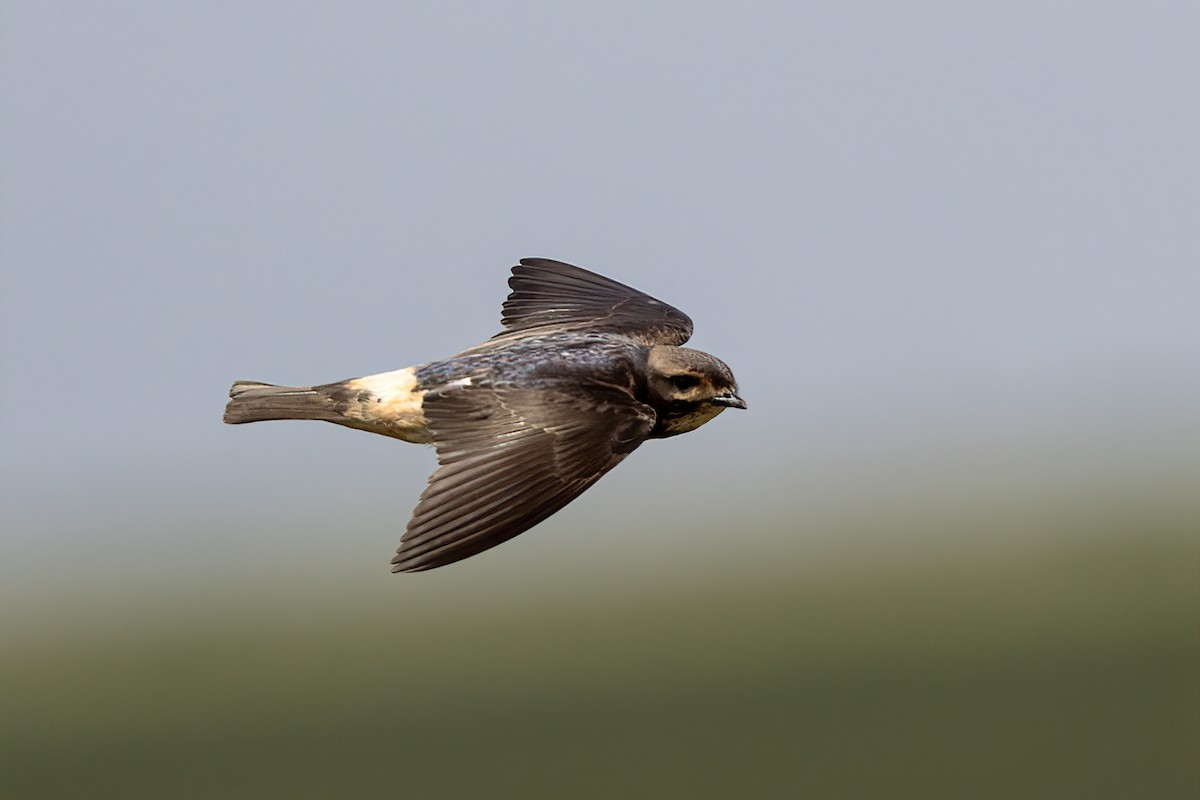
(251, 401)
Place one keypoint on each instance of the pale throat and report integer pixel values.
(689, 420)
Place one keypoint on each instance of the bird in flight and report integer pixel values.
(585, 370)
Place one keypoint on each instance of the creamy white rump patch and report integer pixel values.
(394, 405)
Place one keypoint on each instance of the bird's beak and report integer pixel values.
(731, 400)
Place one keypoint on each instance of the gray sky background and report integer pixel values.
(935, 240)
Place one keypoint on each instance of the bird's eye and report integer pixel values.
(684, 382)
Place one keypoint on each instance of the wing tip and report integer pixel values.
(543, 263)
(403, 562)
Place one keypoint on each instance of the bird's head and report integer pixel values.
(688, 388)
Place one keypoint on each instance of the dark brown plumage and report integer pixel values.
(585, 371)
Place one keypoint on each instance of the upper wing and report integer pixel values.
(508, 459)
(551, 295)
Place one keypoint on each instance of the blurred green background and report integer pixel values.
(1050, 653)
(949, 250)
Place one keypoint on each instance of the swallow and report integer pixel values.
(585, 370)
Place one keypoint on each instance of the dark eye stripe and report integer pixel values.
(684, 382)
